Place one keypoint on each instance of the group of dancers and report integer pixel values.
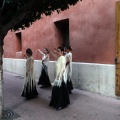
(62, 85)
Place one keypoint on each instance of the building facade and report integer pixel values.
(89, 27)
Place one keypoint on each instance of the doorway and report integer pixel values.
(18, 42)
(62, 32)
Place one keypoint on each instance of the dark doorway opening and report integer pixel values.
(62, 32)
(18, 42)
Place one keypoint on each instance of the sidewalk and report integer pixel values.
(84, 105)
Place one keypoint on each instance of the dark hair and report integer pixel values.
(64, 48)
(47, 50)
(29, 51)
(69, 48)
(61, 48)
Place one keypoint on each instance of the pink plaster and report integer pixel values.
(91, 27)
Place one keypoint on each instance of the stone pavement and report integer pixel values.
(84, 105)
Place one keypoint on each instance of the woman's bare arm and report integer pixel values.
(40, 52)
(54, 55)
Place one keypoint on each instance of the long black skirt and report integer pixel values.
(69, 85)
(44, 78)
(60, 96)
(29, 90)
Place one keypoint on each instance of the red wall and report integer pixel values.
(91, 29)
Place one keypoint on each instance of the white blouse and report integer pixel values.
(45, 59)
(69, 66)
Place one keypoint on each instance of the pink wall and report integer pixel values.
(91, 29)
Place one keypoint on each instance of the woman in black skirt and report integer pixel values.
(29, 90)
(60, 95)
(44, 80)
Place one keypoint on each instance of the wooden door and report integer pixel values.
(117, 48)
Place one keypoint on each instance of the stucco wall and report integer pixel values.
(91, 33)
(96, 78)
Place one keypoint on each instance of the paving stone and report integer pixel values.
(84, 105)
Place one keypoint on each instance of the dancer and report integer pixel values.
(44, 77)
(69, 68)
(60, 95)
(29, 90)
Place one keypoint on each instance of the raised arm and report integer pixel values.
(54, 55)
(40, 52)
